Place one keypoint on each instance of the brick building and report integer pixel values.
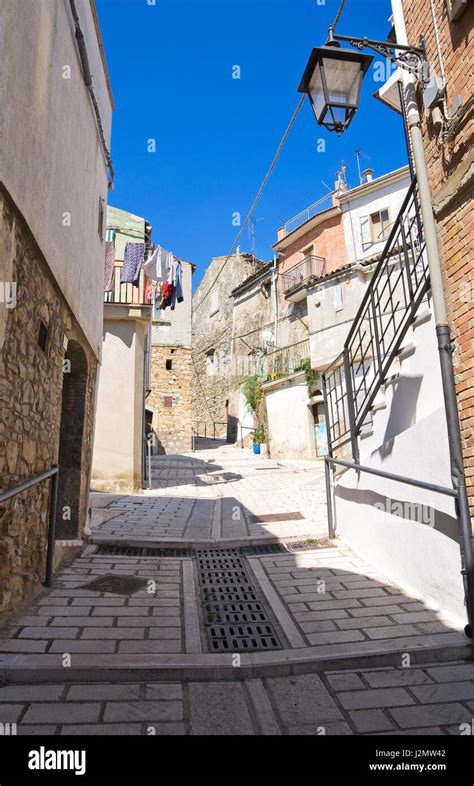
(451, 172)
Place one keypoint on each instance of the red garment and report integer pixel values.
(167, 293)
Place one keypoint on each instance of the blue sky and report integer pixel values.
(171, 71)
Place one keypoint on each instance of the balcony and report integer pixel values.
(126, 294)
(310, 212)
(293, 280)
(286, 361)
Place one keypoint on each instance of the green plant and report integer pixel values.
(258, 435)
(253, 393)
(309, 373)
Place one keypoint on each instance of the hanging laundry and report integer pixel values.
(157, 264)
(132, 263)
(177, 285)
(109, 265)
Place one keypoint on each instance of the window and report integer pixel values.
(214, 300)
(42, 336)
(380, 225)
(169, 365)
(266, 289)
(308, 252)
(338, 302)
(101, 218)
(211, 363)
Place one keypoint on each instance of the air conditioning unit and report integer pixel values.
(456, 8)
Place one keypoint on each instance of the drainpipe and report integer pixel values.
(445, 346)
(275, 298)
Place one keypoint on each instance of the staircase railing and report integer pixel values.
(398, 285)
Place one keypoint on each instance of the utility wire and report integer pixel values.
(255, 202)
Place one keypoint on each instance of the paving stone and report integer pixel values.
(362, 622)
(82, 645)
(164, 633)
(415, 616)
(46, 633)
(395, 678)
(129, 711)
(391, 631)
(149, 622)
(23, 645)
(64, 712)
(345, 681)
(365, 611)
(372, 698)
(371, 720)
(432, 714)
(309, 616)
(323, 604)
(361, 593)
(317, 626)
(103, 692)
(217, 708)
(27, 730)
(100, 729)
(82, 622)
(302, 700)
(30, 692)
(113, 633)
(149, 647)
(164, 691)
(313, 730)
(450, 691)
(10, 713)
(335, 637)
(452, 672)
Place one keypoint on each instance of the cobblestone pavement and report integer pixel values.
(219, 493)
(428, 699)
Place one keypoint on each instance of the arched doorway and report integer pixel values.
(70, 441)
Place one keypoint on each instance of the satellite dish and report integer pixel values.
(433, 91)
(267, 336)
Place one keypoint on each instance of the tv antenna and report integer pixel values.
(253, 221)
(359, 155)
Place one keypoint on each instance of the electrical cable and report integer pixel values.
(257, 198)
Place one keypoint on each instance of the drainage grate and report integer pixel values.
(234, 617)
(142, 551)
(265, 517)
(260, 636)
(118, 585)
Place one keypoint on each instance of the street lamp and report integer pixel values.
(332, 80)
(333, 75)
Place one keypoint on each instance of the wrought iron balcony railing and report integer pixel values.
(395, 292)
(288, 360)
(298, 274)
(325, 203)
(127, 294)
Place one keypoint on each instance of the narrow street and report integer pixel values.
(215, 604)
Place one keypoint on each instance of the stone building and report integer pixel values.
(119, 440)
(212, 342)
(449, 33)
(169, 400)
(54, 188)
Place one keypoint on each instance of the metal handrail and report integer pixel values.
(306, 268)
(53, 500)
(317, 207)
(422, 484)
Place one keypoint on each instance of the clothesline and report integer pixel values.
(123, 231)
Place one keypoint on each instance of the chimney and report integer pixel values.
(368, 175)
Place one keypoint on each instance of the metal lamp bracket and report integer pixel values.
(411, 58)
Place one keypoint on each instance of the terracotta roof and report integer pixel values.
(266, 267)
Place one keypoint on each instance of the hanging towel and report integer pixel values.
(157, 265)
(177, 286)
(109, 265)
(132, 263)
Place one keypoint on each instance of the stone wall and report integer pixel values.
(212, 340)
(170, 398)
(451, 172)
(32, 380)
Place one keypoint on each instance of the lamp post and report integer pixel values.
(332, 80)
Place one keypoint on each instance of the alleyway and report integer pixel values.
(214, 603)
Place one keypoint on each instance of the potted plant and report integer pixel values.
(258, 437)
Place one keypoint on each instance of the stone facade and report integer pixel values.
(212, 341)
(170, 398)
(451, 173)
(46, 400)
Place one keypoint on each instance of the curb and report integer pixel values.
(34, 669)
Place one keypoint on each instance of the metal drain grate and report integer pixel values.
(118, 585)
(234, 617)
(287, 516)
(142, 551)
(260, 636)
